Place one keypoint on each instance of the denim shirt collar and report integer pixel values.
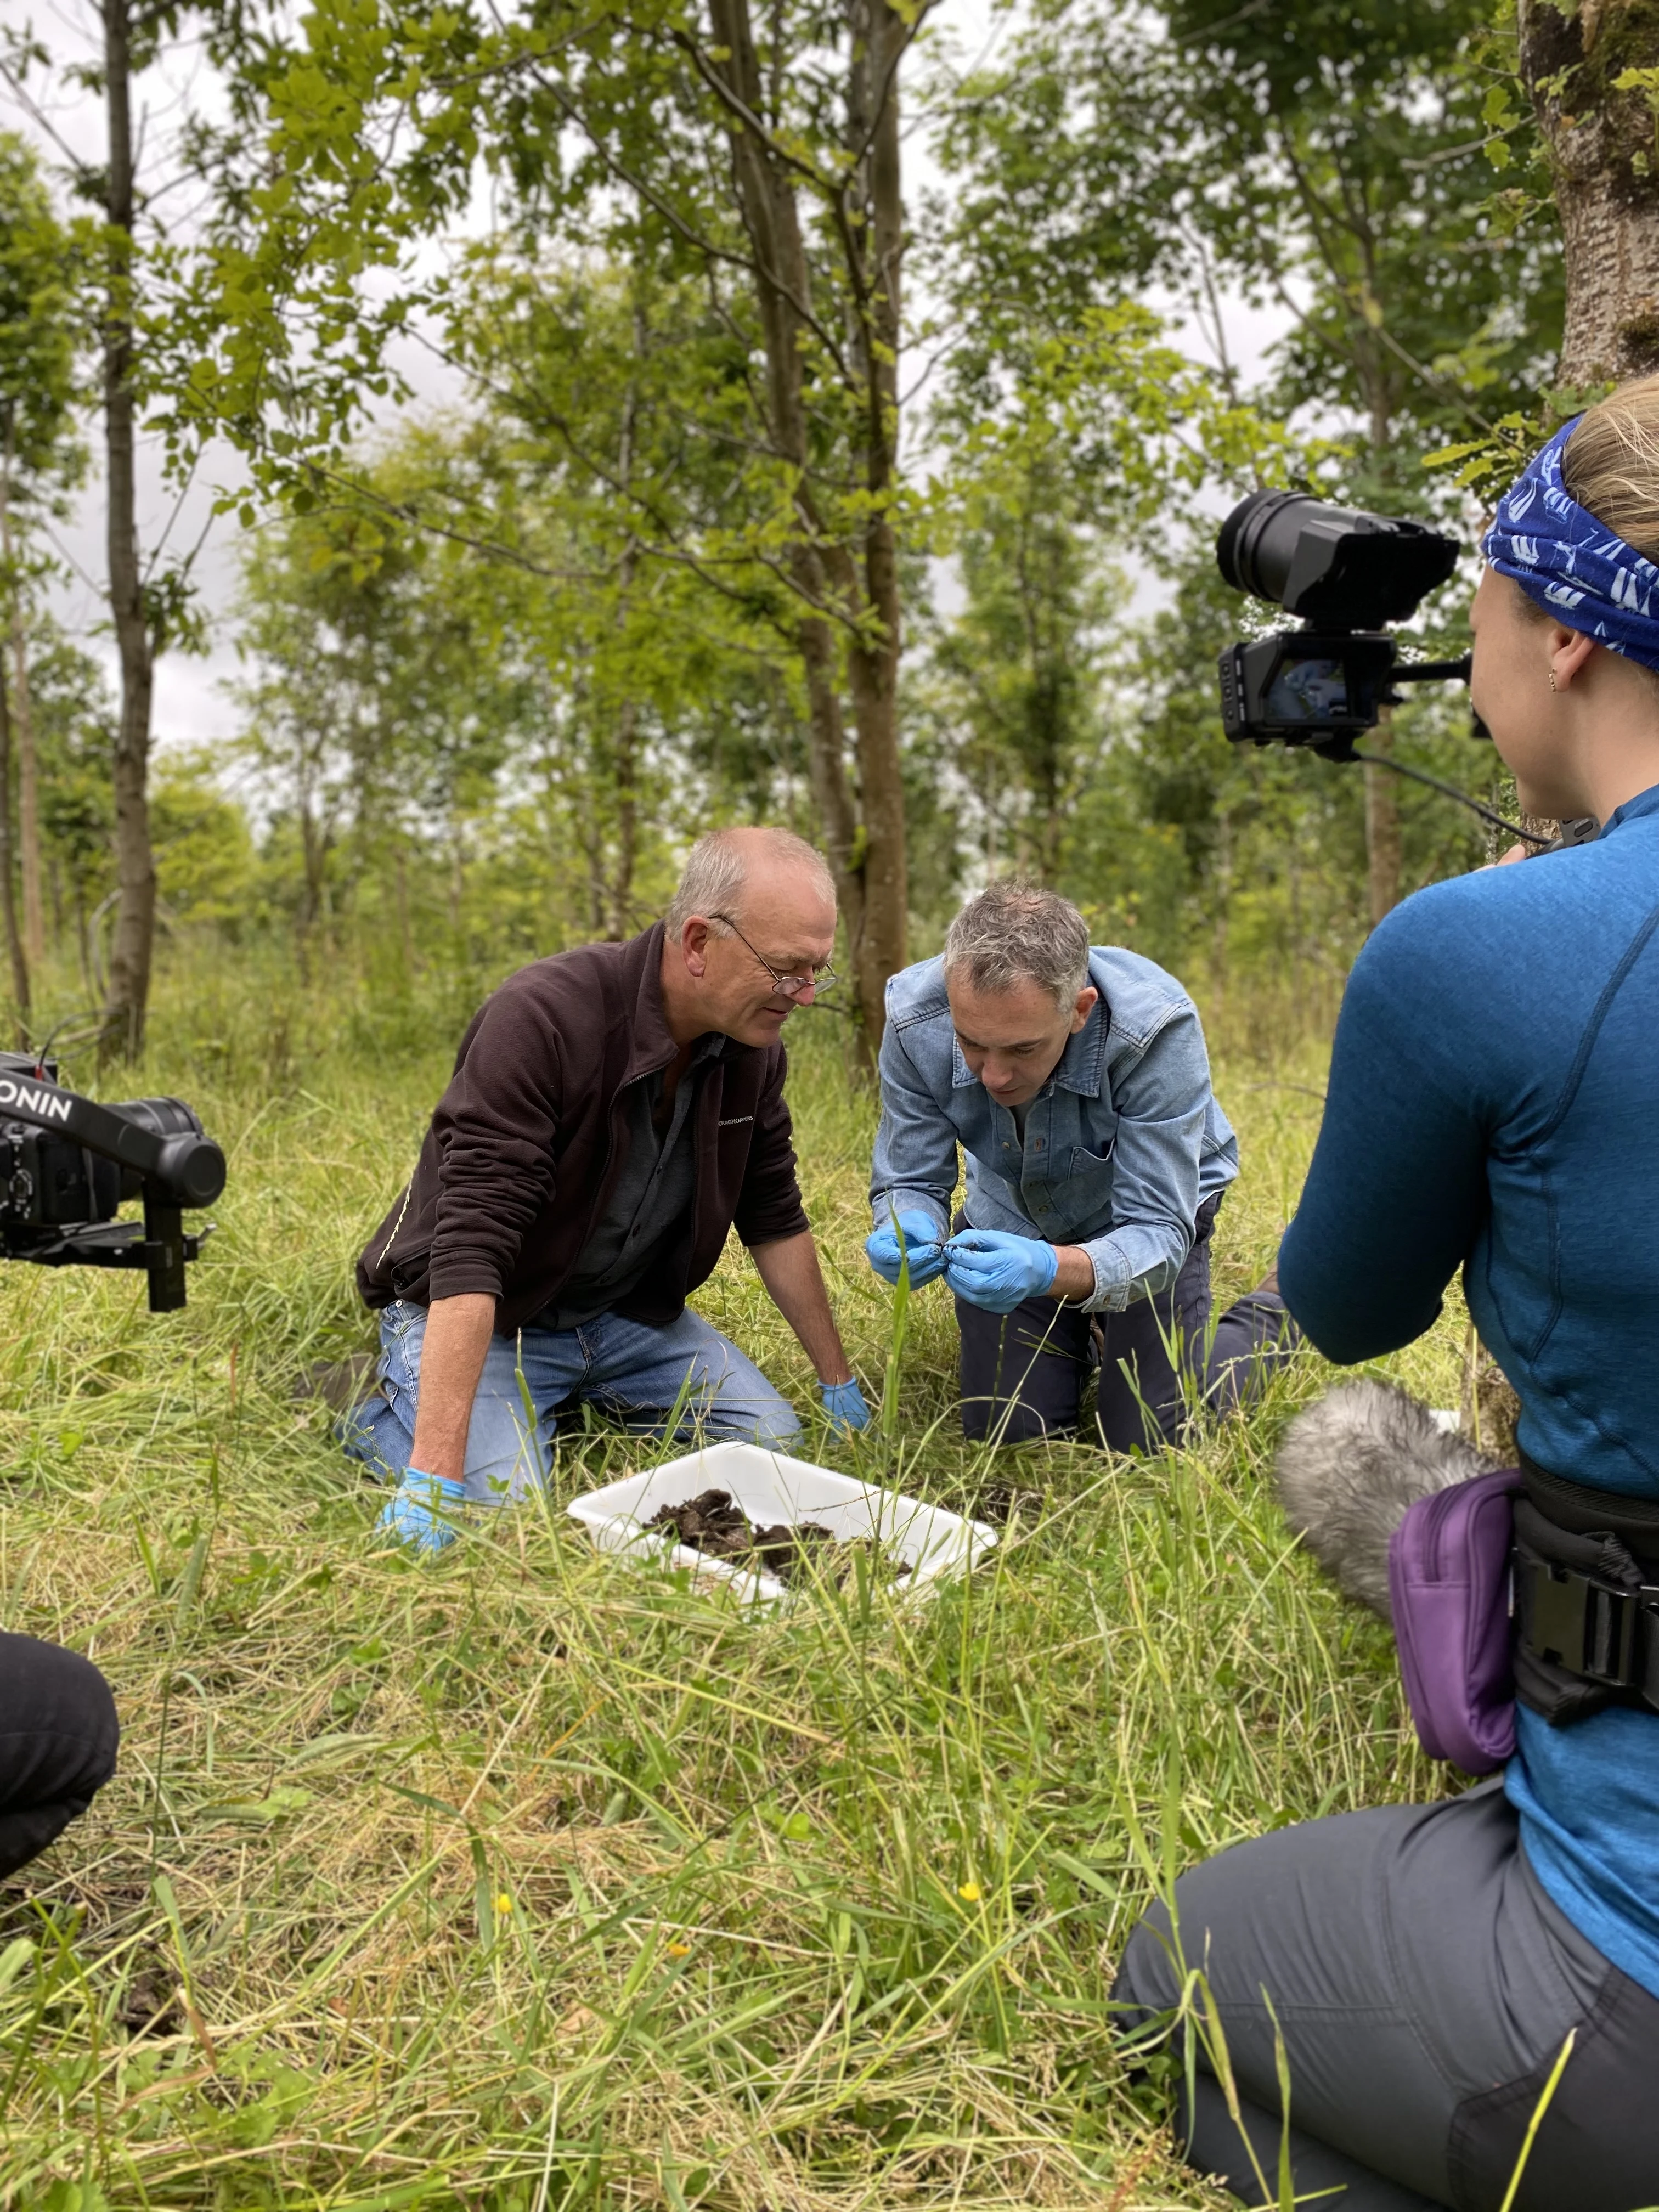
(1633, 810)
(1081, 1068)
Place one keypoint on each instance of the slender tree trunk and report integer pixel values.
(826, 772)
(1382, 844)
(628, 819)
(856, 586)
(309, 911)
(876, 34)
(132, 953)
(1384, 849)
(1298, 1001)
(1602, 150)
(628, 713)
(19, 967)
(28, 796)
(405, 934)
(1223, 880)
(84, 938)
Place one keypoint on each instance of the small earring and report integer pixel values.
(1554, 686)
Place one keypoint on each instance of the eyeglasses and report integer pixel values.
(786, 987)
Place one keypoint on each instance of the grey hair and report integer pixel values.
(717, 869)
(1016, 933)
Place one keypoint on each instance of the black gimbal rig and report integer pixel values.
(67, 1165)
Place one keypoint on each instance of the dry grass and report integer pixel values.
(528, 1880)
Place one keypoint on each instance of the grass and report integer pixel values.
(529, 1881)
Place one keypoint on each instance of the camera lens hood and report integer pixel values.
(1240, 542)
(1339, 567)
(193, 1170)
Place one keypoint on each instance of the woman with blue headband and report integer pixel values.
(1493, 1107)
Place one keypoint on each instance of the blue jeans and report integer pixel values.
(637, 1374)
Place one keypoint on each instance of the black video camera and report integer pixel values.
(67, 1165)
(1343, 573)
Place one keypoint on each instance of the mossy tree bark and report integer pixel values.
(1603, 145)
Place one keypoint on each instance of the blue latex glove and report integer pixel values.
(421, 1510)
(997, 1272)
(844, 1403)
(922, 1246)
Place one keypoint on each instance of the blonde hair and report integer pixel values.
(1610, 463)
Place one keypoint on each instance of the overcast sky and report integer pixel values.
(191, 705)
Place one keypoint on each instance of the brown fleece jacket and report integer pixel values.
(527, 1142)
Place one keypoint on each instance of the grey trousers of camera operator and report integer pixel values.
(1423, 1985)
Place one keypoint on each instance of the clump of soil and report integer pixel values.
(715, 1523)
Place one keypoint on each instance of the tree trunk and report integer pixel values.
(28, 796)
(876, 34)
(857, 585)
(1382, 848)
(309, 911)
(128, 1000)
(1602, 151)
(20, 968)
(826, 771)
(405, 934)
(628, 819)
(628, 713)
(28, 801)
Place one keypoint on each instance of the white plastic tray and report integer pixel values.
(770, 1486)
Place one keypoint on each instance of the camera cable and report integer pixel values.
(1489, 814)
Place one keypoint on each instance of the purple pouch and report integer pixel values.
(1449, 1578)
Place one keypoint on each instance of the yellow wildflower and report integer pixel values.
(969, 1893)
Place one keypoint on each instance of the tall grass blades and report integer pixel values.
(526, 1882)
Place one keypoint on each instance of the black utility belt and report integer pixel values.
(1586, 1598)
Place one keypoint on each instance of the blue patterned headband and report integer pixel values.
(1574, 566)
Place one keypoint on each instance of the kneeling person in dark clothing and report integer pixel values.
(614, 1113)
(58, 1736)
(1075, 1079)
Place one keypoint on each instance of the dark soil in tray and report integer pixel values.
(715, 1523)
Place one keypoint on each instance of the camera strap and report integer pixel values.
(1586, 1598)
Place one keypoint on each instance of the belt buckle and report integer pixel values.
(1610, 1624)
(1588, 1627)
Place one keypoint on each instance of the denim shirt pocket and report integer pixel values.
(1087, 1191)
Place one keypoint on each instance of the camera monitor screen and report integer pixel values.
(1310, 689)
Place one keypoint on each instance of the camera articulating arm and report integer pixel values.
(67, 1163)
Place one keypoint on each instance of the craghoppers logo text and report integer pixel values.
(51, 1103)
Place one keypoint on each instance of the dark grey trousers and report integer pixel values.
(1023, 1373)
(1423, 1985)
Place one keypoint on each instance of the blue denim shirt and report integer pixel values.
(1123, 1143)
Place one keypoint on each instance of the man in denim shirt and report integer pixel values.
(1075, 1079)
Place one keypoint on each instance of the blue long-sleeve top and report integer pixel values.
(1494, 1106)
